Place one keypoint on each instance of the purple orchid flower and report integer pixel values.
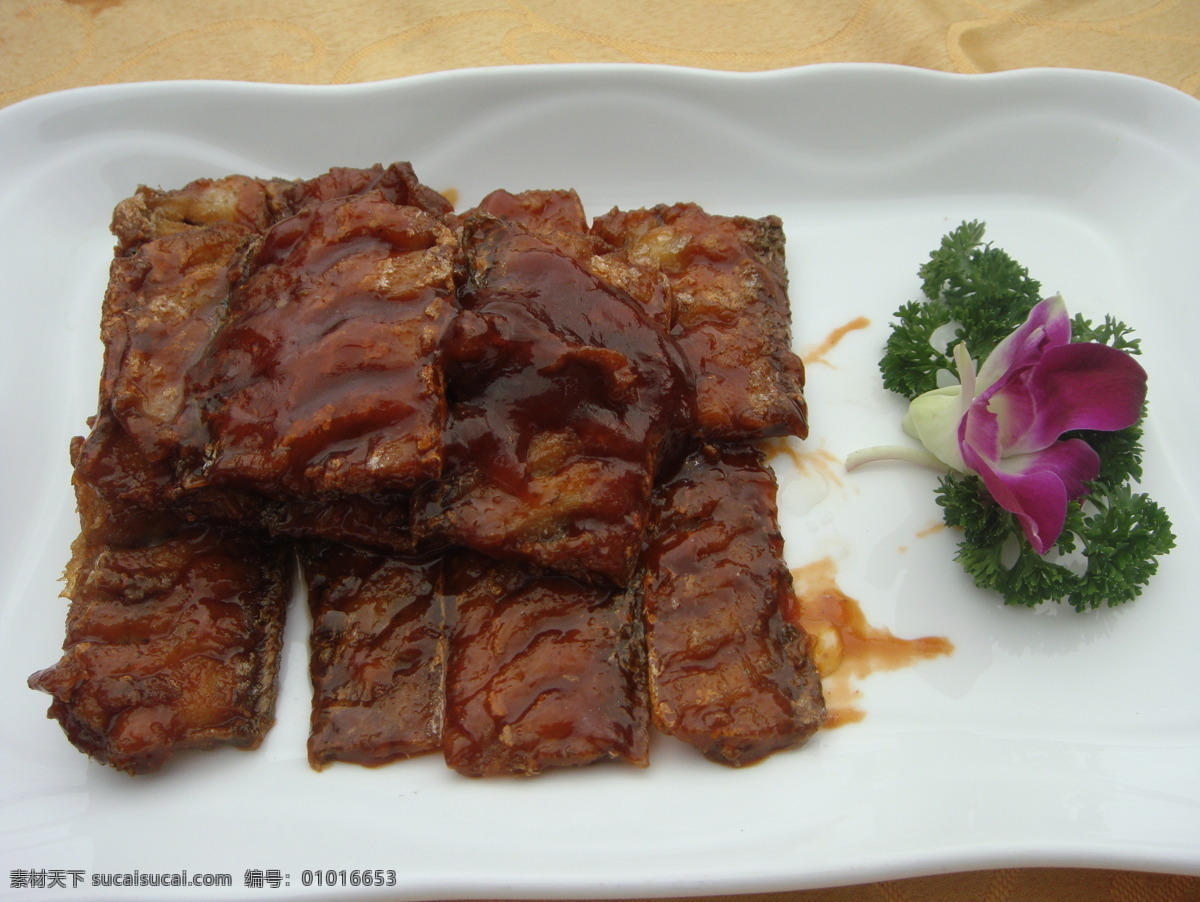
(1006, 422)
(1036, 385)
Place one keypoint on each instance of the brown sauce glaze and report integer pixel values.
(322, 379)
(565, 400)
(558, 217)
(846, 647)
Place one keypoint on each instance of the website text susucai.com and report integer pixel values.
(252, 878)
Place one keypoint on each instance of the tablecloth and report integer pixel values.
(49, 45)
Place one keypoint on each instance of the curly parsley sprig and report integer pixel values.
(975, 296)
(976, 287)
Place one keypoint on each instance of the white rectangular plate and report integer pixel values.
(1047, 737)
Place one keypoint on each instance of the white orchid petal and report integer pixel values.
(933, 419)
(966, 372)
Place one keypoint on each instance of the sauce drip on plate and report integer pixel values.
(846, 647)
(818, 353)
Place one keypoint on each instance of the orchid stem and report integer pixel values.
(892, 452)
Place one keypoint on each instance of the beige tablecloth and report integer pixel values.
(49, 45)
(46, 45)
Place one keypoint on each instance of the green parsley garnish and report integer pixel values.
(975, 293)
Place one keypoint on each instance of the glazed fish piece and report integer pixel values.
(397, 183)
(732, 316)
(255, 204)
(150, 214)
(378, 655)
(728, 673)
(183, 260)
(171, 644)
(543, 672)
(164, 301)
